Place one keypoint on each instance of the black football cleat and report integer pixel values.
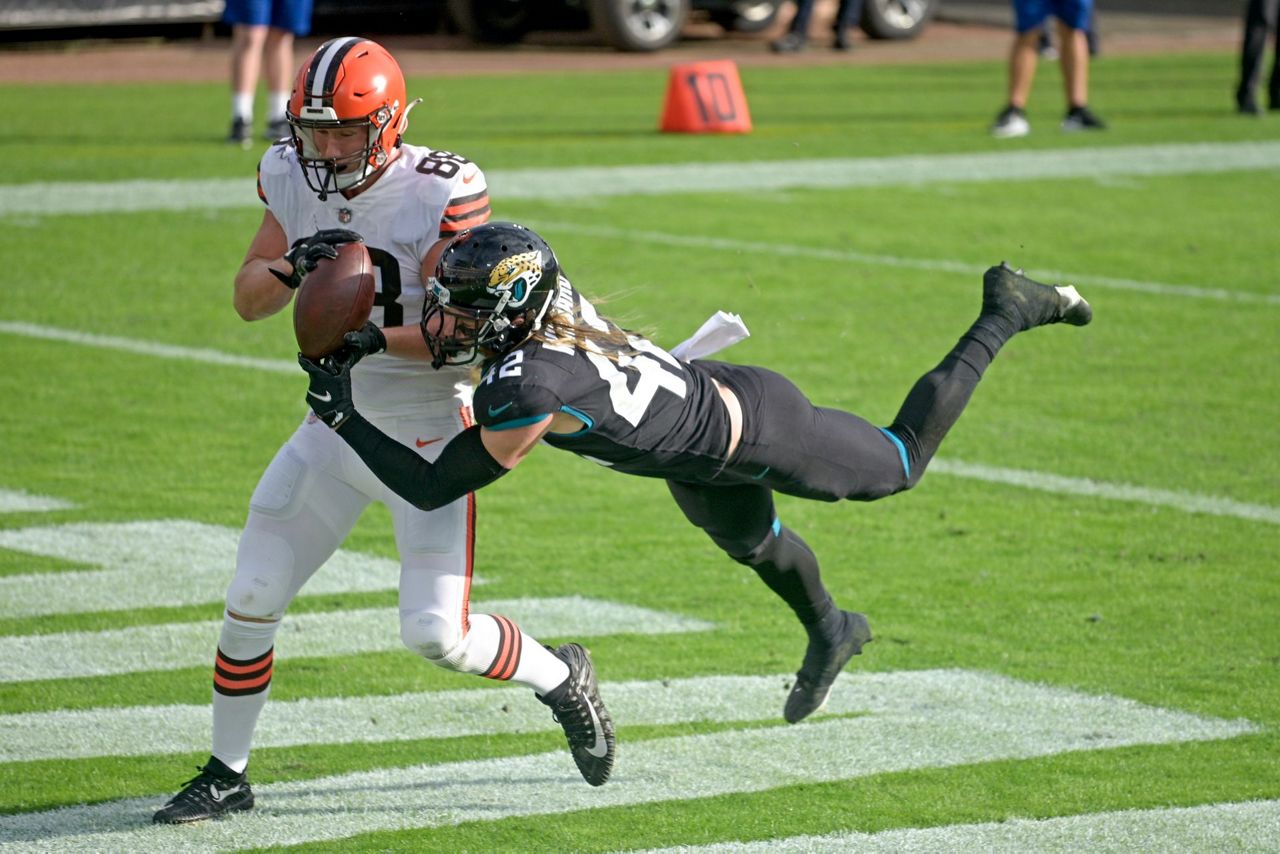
(215, 791)
(576, 706)
(1027, 304)
(823, 662)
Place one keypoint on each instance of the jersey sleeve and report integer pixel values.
(468, 203)
(513, 394)
(504, 406)
(274, 170)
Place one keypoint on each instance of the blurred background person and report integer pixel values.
(1260, 17)
(847, 17)
(262, 34)
(1030, 16)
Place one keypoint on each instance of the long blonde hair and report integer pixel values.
(572, 320)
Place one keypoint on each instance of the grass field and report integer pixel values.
(1076, 611)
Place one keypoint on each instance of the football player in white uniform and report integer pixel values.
(343, 175)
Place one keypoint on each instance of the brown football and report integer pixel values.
(335, 298)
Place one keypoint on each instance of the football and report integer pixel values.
(335, 298)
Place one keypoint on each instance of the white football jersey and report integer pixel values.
(422, 196)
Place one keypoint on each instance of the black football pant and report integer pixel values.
(793, 447)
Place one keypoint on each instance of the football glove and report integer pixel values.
(329, 392)
(365, 341)
(307, 252)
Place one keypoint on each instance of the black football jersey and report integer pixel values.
(645, 411)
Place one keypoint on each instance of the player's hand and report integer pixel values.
(368, 340)
(329, 392)
(307, 252)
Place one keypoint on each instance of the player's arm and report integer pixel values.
(273, 270)
(258, 292)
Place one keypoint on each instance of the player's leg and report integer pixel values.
(299, 514)
(741, 520)
(436, 556)
(277, 58)
(1011, 303)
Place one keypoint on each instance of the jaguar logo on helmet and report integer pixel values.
(515, 278)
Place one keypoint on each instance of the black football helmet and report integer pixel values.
(495, 282)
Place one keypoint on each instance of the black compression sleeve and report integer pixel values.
(463, 466)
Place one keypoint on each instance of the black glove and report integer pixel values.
(365, 341)
(307, 252)
(329, 393)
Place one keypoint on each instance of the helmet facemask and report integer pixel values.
(492, 286)
(326, 175)
(475, 331)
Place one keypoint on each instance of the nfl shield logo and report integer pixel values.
(344, 215)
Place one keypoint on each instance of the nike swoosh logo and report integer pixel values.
(422, 443)
(323, 398)
(467, 179)
(218, 795)
(500, 409)
(601, 747)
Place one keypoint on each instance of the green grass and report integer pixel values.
(1158, 605)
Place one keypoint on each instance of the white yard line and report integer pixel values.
(1251, 826)
(55, 198)
(1045, 482)
(162, 562)
(176, 645)
(923, 719)
(938, 265)
(17, 501)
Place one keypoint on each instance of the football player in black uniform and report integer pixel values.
(725, 437)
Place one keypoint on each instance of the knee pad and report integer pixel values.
(262, 586)
(431, 636)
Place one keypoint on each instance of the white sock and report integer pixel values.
(496, 648)
(242, 106)
(245, 655)
(277, 103)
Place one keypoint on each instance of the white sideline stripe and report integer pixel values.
(150, 348)
(938, 265)
(1243, 827)
(1043, 481)
(923, 719)
(1058, 484)
(17, 501)
(176, 645)
(53, 198)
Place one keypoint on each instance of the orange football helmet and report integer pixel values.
(348, 112)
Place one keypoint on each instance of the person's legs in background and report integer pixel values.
(247, 41)
(798, 33)
(278, 59)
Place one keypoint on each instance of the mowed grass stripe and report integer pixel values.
(1241, 827)
(909, 720)
(174, 646)
(52, 198)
